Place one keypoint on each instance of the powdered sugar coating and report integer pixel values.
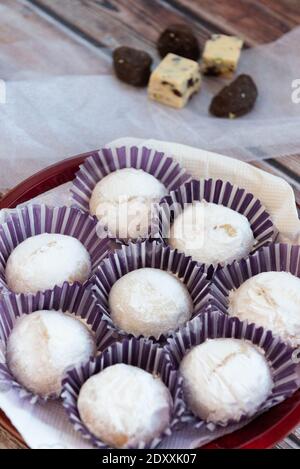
(124, 405)
(45, 260)
(225, 379)
(211, 233)
(149, 302)
(271, 300)
(42, 345)
(122, 201)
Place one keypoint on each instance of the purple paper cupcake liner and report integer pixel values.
(222, 193)
(149, 254)
(107, 160)
(32, 220)
(136, 352)
(214, 324)
(74, 299)
(274, 258)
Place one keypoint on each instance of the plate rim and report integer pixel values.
(63, 171)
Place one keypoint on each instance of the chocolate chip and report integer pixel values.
(212, 71)
(132, 66)
(190, 83)
(177, 93)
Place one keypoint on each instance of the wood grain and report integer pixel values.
(35, 45)
(246, 18)
(111, 23)
(288, 9)
(139, 22)
(8, 442)
(9, 437)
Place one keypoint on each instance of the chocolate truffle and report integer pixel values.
(236, 99)
(149, 302)
(211, 233)
(122, 200)
(124, 405)
(42, 345)
(179, 39)
(45, 260)
(271, 300)
(225, 379)
(133, 66)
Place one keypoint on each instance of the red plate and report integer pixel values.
(263, 432)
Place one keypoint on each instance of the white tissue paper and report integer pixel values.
(47, 119)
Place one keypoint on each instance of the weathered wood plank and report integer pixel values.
(246, 18)
(135, 22)
(9, 437)
(292, 162)
(8, 442)
(288, 9)
(34, 46)
(111, 22)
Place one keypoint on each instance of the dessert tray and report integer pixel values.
(262, 432)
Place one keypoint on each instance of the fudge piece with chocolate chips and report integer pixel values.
(174, 81)
(221, 55)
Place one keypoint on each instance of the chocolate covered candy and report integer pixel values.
(178, 39)
(174, 81)
(236, 99)
(132, 66)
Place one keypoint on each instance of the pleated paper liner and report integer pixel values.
(32, 220)
(274, 258)
(214, 324)
(222, 193)
(149, 254)
(73, 299)
(137, 352)
(107, 160)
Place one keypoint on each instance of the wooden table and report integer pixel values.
(95, 27)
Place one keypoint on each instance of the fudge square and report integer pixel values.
(221, 54)
(174, 81)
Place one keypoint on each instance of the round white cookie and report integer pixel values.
(271, 300)
(45, 260)
(122, 200)
(42, 345)
(211, 233)
(149, 302)
(124, 405)
(224, 379)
